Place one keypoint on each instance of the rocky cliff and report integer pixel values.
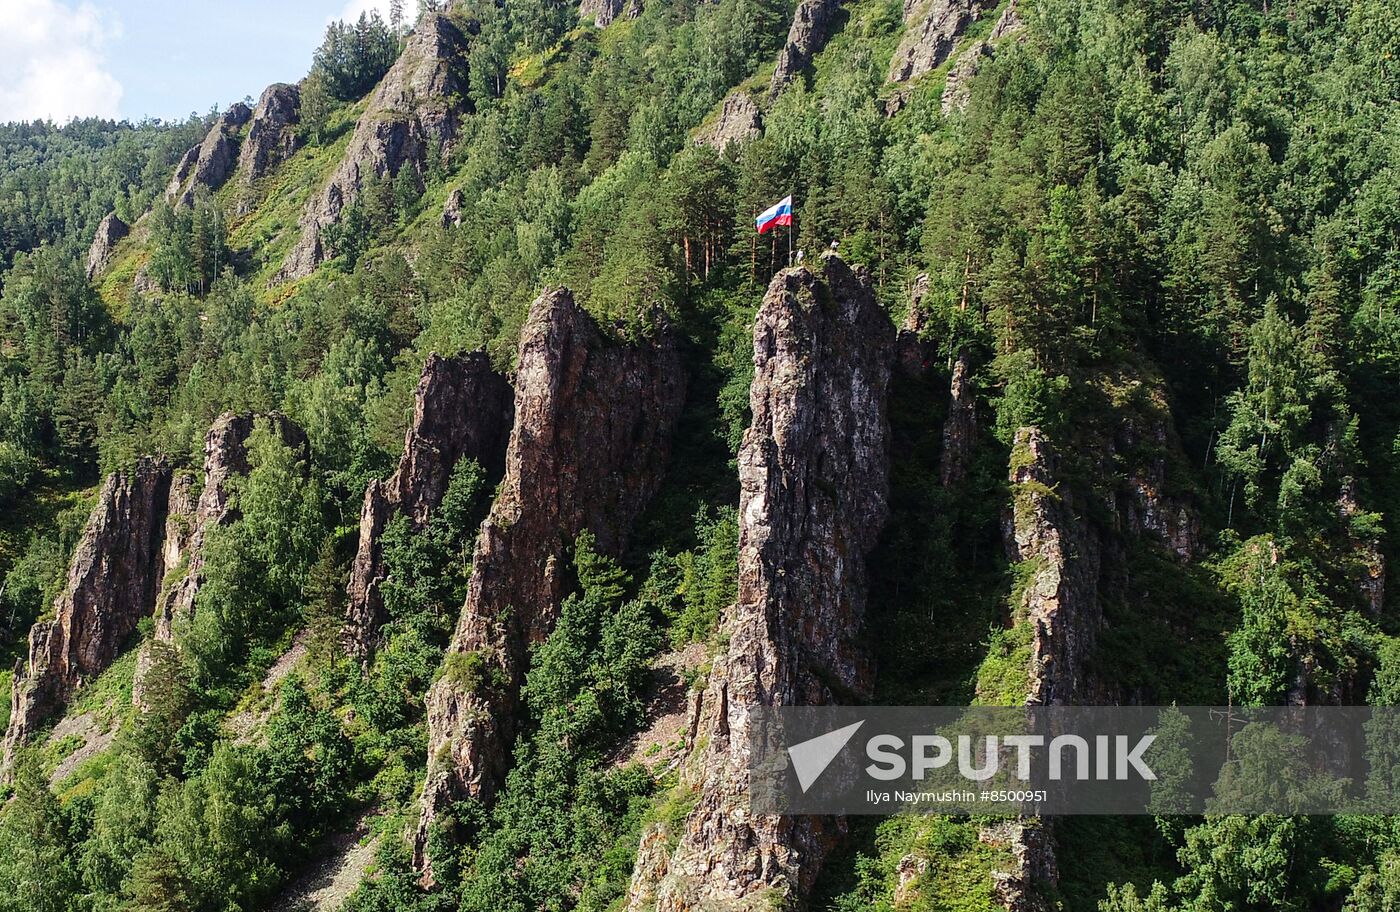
(932, 28)
(1070, 565)
(211, 162)
(111, 585)
(272, 136)
(225, 456)
(811, 26)
(1059, 597)
(593, 421)
(109, 231)
(462, 409)
(416, 107)
(960, 427)
(915, 351)
(602, 13)
(957, 88)
(813, 470)
(739, 120)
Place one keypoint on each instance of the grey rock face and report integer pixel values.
(416, 107)
(462, 410)
(593, 422)
(190, 518)
(1151, 508)
(111, 585)
(109, 231)
(272, 136)
(1061, 600)
(932, 28)
(739, 121)
(811, 26)
(813, 472)
(915, 352)
(960, 427)
(601, 12)
(211, 162)
(452, 209)
(1034, 863)
(225, 456)
(957, 89)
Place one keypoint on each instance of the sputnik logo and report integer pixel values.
(810, 758)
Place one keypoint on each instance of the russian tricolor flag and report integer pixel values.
(780, 213)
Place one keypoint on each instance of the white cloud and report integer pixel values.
(354, 7)
(51, 61)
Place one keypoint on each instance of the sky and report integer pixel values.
(132, 59)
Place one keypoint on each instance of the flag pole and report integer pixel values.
(792, 226)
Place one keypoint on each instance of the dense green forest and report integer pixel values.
(1146, 208)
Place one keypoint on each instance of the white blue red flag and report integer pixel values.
(780, 213)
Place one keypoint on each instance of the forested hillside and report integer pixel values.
(407, 494)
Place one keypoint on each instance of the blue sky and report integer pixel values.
(61, 59)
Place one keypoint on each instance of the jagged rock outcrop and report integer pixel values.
(811, 26)
(739, 121)
(593, 421)
(416, 107)
(272, 136)
(109, 231)
(211, 162)
(600, 12)
(191, 516)
(957, 88)
(183, 169)
(111, 585)
(915, 352)
(813, 472)
(462, 410)
(452, 209)
(1151, 508)
(932, 28)
(1034, 865)
(1060, 599)
(225, 456)
(910, 869)
(960, 427)
(1008, 23)
(144, 283)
